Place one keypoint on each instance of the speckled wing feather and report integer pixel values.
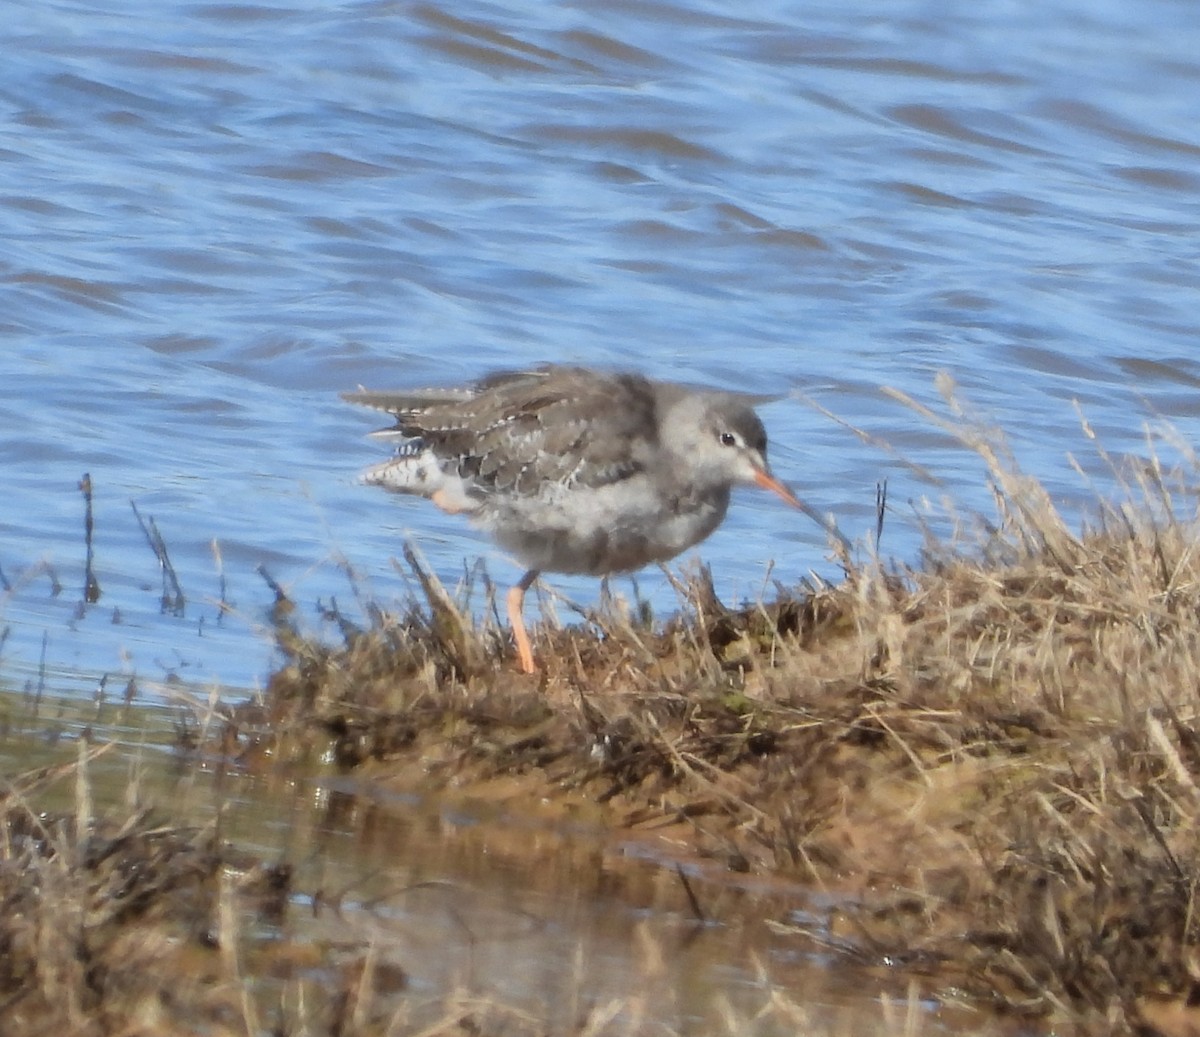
(516, 431)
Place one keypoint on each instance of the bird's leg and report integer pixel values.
(516, 601)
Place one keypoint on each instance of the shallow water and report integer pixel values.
(217, 216)
(458, 896)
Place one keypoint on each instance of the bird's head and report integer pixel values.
(722, 442)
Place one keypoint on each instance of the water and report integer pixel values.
(217, 216)
(459, 897)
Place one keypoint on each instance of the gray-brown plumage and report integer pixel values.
(575, 470)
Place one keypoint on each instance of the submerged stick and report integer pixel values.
(880, 510)
(173, 600)
(693, 900)
(91, 586)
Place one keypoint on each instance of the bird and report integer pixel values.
(574, 469)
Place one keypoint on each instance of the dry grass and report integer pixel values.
(989, 762)
(994, 757)
(111, 927)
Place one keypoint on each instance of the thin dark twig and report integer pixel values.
(880, 510)
(173, 600)
(91, 586)
(693, 900)
(41, 681)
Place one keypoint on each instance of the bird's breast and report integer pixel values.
(600, 530)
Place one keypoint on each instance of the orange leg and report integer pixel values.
(516, 602)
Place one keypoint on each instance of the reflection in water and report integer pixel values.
(452, 898)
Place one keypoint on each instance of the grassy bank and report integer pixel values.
(991, 758)
(987, 764)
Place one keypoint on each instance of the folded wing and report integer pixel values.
(517, 432)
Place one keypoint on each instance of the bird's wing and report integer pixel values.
(516, 430)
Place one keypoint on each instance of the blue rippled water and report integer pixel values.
(217, 216)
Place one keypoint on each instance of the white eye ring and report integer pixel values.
(728, 439)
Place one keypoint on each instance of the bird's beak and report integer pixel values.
(768, 482)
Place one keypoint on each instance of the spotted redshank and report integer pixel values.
(575, 470)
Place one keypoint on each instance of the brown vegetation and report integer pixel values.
(990, 764)
(120, 928)
(993, 758)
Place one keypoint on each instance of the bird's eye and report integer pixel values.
(728, 439)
